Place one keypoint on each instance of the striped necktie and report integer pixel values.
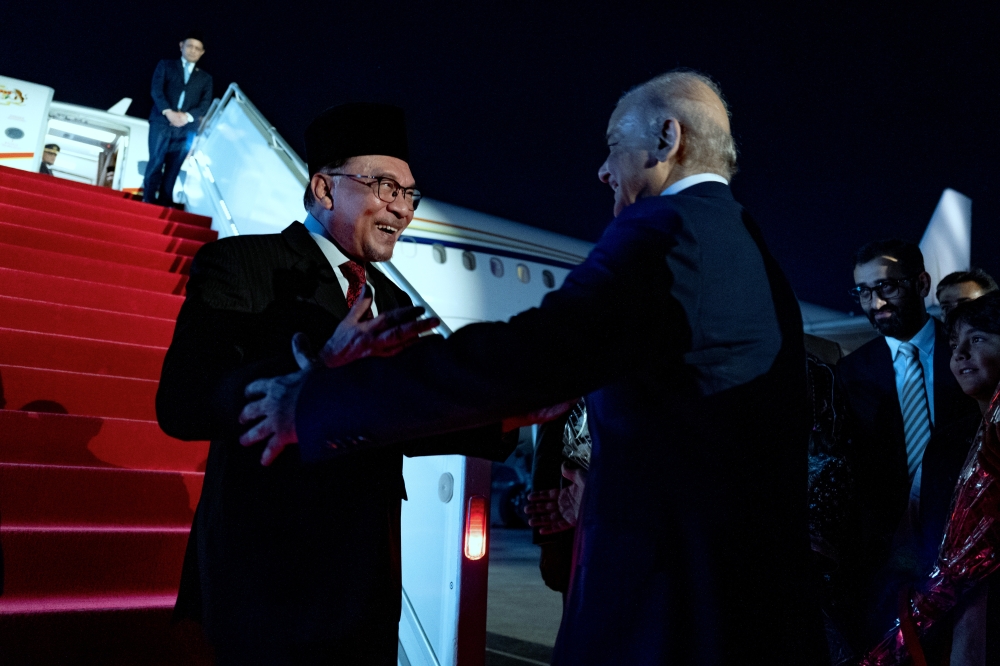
(913, 403)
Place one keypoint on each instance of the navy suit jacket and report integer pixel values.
(685, 335)
(168, 84)
(876, 449)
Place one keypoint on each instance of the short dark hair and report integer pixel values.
(977, 275)
(908, 254)
(308, 199)
(982, 313)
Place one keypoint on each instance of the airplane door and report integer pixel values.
(24, 112)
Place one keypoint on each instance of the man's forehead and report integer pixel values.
(878, 268)
(385, 165)
(626, 120)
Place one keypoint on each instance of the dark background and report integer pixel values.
(850, 122)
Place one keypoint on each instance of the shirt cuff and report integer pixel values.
(166, 111)
(190, 117)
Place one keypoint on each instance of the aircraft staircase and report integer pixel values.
(95, 501)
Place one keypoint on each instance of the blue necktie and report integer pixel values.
(913, 403)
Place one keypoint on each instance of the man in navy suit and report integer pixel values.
(905, 467)
(685, 336)
(182, 93)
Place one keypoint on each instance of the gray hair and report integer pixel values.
(308, 199)
(709, 146)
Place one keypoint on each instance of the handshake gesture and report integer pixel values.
(274, 399)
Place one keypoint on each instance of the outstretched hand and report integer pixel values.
(275, 400)
(385, 335)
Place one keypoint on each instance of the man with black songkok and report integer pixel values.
(289, 563)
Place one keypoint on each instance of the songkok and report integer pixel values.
(357, 128)
(195, 34)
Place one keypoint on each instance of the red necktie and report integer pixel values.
(355, 274)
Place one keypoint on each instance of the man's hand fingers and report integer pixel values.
(252, 410)
(302, 351)
(359, 308)
(543, 495)
(393, 318)
(400, 337)
(271, 451)
(258, 433)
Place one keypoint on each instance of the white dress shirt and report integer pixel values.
(685, 183)
(334, 255)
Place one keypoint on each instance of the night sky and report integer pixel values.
(850, 122)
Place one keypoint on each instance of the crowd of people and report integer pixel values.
(720, 441)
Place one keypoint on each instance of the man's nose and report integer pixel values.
(400, 206)
(603, 174)
(877, 301)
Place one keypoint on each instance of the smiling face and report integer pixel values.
(901, 316)
(631, 169)
(363, 225)
(975, 361)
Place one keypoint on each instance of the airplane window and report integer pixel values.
(548, 279)
(439, 253)
(496, 266)
(523, 274)
(469, 260)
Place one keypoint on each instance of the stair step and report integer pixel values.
(103, 631)
(30, 315)
(68, 291)
(84, 268)
(34, 389)
(151, 236)
(32, 349)
(33, 181)
(80, 205)
(47, 495)
(91, 560)
(66, 244)
(88, 441)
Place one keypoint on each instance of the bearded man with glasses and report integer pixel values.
(289, 563)
(901, 400)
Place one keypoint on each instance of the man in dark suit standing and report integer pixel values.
(685, 336)
(901, 401)
(182, 93)
(290, 563)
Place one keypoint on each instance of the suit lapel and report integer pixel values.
(328, 293)
(385, 295)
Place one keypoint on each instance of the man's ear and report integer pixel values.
(668, 141)
(321, 191)
(924, 281)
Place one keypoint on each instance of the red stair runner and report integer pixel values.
(95, 501)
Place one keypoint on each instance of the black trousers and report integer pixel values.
(167, 149)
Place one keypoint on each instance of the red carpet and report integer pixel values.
(95, 501)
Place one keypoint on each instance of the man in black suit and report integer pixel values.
(290, 563)
(685, 335)
(900, 458)
(182, 93)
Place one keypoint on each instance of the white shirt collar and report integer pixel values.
(187, 65)
(923, 340)
(322, 238)
(685, 183)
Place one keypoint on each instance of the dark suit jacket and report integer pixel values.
(685, 335)
(876, 446)
(288, 558)
(876, 453)
(168, 83)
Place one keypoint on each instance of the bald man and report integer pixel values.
(686, 339)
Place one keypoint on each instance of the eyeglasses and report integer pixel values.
(886, 289)
(387, 189)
